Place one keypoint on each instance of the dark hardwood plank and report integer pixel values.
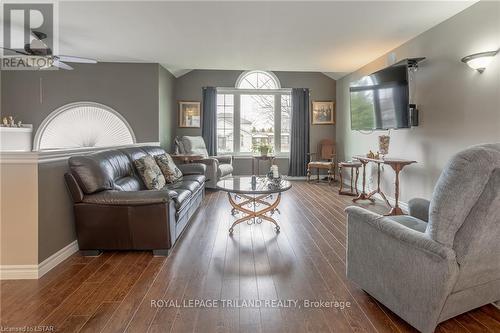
(99, 318)
(115, 292)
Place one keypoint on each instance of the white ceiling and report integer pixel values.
(331, 37)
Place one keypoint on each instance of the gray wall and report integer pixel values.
(167, 108)
(142, 93)
(458, 106)
(130, 89)
(189, 87)
(56, 226)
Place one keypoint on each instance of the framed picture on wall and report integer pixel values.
(323, 113)
(189, 114)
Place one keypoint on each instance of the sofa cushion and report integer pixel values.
(410, 222)
(167, 166)
(224, 170)
(199, 178)
(98, 172)
(154, 150)
(190, 185)
(150, 173)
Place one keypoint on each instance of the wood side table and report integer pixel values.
(184, 159)
(353, 166)
(397, 165)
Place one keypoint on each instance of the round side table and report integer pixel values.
(354, 166)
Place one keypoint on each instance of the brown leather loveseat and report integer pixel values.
(114, 210)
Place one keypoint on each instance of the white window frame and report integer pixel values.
(237, 115)
(247, 73)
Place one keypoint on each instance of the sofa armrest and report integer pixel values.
(212, 167)
(193, 169)
(226, 159)
(129, 198)
(419, 208)
(408, 237)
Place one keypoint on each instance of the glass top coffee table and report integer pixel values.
(255, 201)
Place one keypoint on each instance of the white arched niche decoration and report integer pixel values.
(258, 80)
(83, 125)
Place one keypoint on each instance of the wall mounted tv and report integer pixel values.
(380, 101)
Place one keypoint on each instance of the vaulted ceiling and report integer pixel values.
(330, 36)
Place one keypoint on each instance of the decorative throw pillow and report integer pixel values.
(167, 166)
(150, 172)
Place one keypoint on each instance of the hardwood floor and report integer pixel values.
(116, 291)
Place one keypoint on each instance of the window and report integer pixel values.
(256, 111)
(225, 123)
(84, 124)
(286, 112)
(257, 80)
(256, 121)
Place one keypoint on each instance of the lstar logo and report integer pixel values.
(28, 35)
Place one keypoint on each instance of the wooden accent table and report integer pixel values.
(353, 166)
(397, 165)
(184, 159)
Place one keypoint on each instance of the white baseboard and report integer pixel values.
(18, 272)
(23, 272)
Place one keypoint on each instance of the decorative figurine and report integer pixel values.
(11, 122)
(5, 122)
(383, 144)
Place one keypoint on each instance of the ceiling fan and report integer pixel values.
(37, 49)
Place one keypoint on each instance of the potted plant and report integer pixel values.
(263, 148)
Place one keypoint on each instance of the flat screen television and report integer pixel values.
(380, 100)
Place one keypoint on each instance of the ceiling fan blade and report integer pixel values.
(38, 34)
(12, 52)
(59, 64)
(76, 59)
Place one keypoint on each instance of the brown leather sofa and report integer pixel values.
(114, 210)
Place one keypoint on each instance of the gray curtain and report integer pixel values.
(209, 116)
(299, 133)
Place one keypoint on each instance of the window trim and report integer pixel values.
(237, 117)
(243, 75)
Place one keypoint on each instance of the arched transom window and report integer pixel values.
(81, 125)
(258, 80)
(254, 116)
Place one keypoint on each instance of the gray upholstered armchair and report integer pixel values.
(445, 259)
(217, 166)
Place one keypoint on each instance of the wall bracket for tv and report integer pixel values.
(411, 63)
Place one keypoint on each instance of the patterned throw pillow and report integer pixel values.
(170, 171)
(150, 173)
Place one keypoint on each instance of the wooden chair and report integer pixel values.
(324, 159)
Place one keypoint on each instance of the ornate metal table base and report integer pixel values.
(248, 207)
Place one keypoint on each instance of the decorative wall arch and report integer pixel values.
(83, 124)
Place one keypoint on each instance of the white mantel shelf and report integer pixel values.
(37, 157)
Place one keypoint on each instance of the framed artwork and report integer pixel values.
(189, 114)
(323, 113)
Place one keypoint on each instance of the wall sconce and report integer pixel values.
(479, 61)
